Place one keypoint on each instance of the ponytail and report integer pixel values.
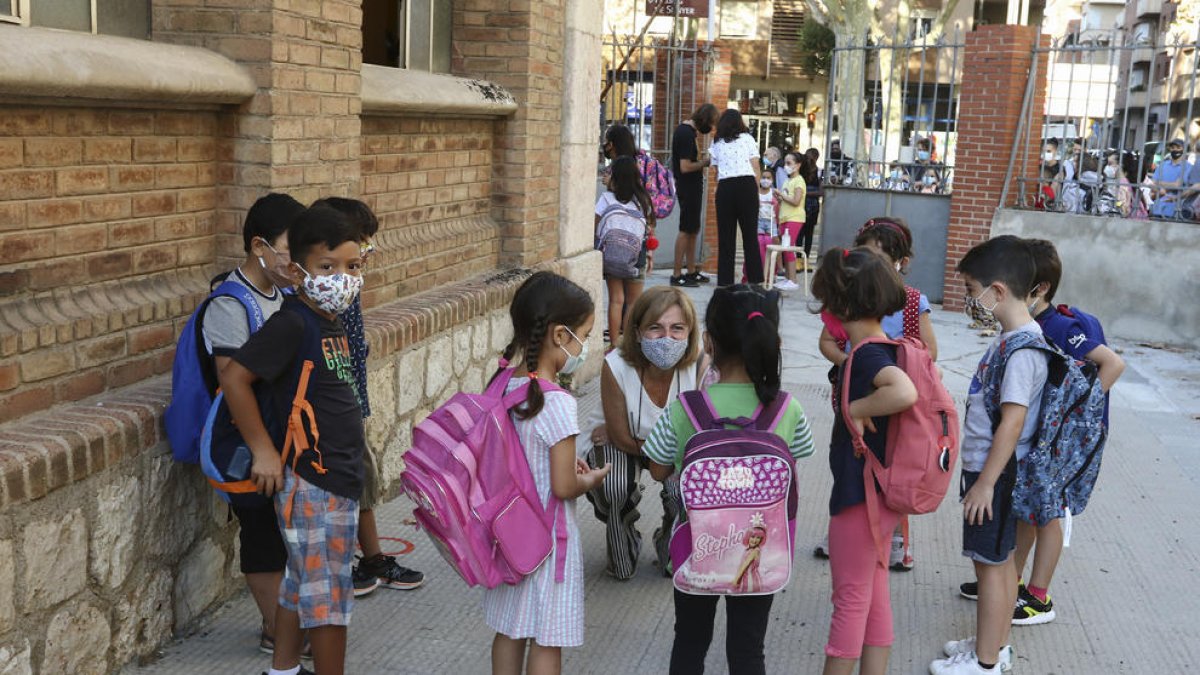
(760, 354)
(743, 322)
(534, 399)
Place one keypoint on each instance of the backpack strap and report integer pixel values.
(254, 314)
(912, 312)
(699, 409)
(768, 418)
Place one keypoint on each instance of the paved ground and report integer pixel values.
(1125, 593)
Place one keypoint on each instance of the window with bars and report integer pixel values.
(787, 20)
(408, 33)
(127, 18)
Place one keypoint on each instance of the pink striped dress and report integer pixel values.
(551, 613)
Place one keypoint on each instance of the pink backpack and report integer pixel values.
(739, 496)
(922, 442)
(475, 496)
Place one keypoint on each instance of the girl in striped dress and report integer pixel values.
(552, 318)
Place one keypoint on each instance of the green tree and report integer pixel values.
(817, 43)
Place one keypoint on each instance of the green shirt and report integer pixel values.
(674, 428)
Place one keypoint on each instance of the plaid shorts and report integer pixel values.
(319, 530)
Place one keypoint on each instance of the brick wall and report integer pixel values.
(518, 44)
(106, 241)
(430, 183)
(988, 117)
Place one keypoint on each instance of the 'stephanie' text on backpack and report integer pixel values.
(660, 184)
(620, 235)
(921, 446)
(739, 496)
(194, 375)
(475, 495)
(225, 458)
(1055, 479)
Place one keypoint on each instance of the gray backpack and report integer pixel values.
(620, 237)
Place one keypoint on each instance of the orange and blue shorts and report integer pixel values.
(319, 531)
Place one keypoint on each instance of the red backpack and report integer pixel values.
(922, 442)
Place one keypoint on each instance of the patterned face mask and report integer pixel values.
(664, 352)
(333, 293)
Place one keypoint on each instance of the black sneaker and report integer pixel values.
(1030, 611)
(969, 590)
(364, 583)
(684, 281)
(391, 574)
(699, 278)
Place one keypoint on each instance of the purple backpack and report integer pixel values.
(739, 497)
(475, 496)
(660, 184)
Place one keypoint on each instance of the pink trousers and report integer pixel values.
(862, 606)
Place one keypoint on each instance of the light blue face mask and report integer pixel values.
(574, 361)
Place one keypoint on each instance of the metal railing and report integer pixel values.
(890, 104)
(1113, 103)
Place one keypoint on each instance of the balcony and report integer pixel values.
(1143, 55)
(1148, 8)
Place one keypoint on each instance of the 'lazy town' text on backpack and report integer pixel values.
(194, 376)
(1055, 479)
(921, 446)
(620, 235)
(660, 184)
(739, 497)
(475, 496)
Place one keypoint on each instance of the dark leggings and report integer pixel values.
(737, 208)
(812, 211)
(746, 619)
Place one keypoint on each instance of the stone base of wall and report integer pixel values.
(107, 546)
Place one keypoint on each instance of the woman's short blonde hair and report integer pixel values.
(649, 308)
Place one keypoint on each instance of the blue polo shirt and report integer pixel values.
(1075, 332)
(1169, 172)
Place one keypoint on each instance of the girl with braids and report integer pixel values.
(743, 341)
(891, 238)
(625, 188)
(552, 318)
(859, 287)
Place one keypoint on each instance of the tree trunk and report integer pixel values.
(850, 65)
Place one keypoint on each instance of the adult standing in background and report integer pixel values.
(735, 154)
(689, 191)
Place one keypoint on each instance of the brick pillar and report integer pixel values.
(300, 133)
(717, 90)
(518, 44)
(988, 119)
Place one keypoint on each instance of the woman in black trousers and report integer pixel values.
(735, 154)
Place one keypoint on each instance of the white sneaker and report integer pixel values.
(787, 285)
(955, 648)
(900, 559)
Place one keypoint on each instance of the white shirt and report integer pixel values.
(732, 158)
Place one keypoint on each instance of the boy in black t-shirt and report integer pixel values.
(317, 492)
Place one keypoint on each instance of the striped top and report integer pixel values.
(538, 607)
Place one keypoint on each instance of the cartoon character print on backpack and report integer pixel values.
(739, 496)
(1056, 478)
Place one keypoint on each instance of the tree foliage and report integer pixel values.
(816, 43)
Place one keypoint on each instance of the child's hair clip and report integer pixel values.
(533, 375)
(503, 362)
(845, 253)
(753, 315)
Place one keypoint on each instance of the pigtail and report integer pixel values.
(534, 399)
(510, 350)
(760, 348)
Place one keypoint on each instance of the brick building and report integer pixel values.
(131, 145)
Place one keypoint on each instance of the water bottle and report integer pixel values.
(239, 466)
(785, 239)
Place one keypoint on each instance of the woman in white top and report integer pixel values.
(657, 358)
(735, 154)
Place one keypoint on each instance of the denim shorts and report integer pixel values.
(991, 543)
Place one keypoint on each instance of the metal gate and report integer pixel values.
(652, 83)
(889, 105)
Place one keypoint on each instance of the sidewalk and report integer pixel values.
(1125, 593)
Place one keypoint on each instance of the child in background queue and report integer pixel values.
(625, 187)
(860, 287)
(792, 198)
(552, 318)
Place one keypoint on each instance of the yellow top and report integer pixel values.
(794, 187)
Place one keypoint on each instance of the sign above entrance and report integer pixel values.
(688, 9)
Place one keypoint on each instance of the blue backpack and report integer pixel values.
(1056, 478)
(194, 375)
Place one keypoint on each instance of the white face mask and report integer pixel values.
(790, 169)
(1050, 156)
(574, 361)
(1110, 171)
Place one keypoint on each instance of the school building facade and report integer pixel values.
(131, 145)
